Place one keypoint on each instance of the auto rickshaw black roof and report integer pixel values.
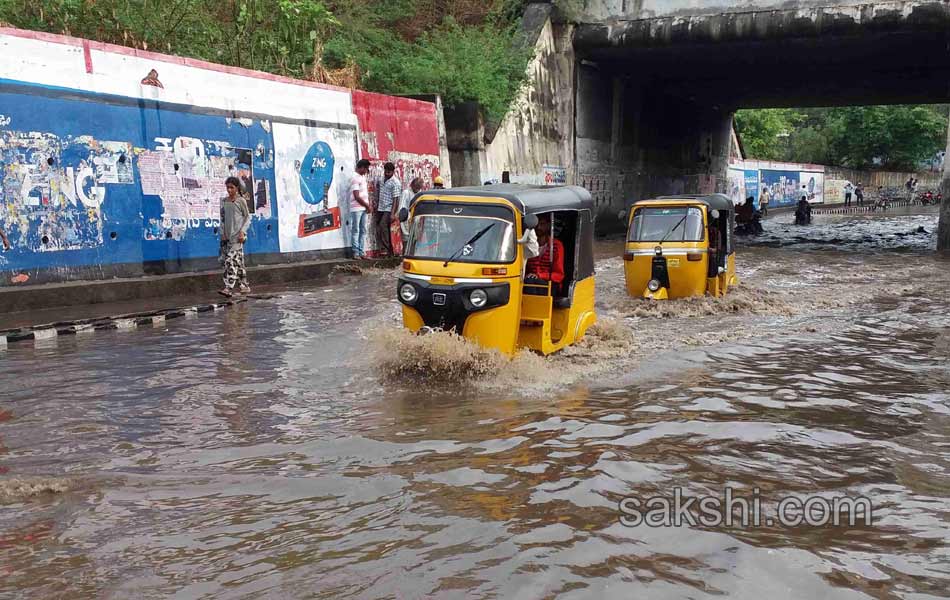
(712, 201)
(528, 199)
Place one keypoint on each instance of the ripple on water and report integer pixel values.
(273, 451)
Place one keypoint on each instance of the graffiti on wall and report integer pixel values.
(408, 167)
(598, 186)
(52, 189)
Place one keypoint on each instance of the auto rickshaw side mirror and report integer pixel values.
(403, 215)
(622, 215)
(530, 221)
(714, 214)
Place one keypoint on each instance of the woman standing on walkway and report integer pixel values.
(235, 220)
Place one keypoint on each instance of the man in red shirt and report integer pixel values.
(546, 267)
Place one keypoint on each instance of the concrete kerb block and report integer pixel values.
(118, 322)
(45, 334)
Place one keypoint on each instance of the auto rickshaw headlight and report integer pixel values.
(408, 293)
(654, 285)
(478, 298)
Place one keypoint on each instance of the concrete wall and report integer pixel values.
(634, 144)
(534, 141)
(104, 176)
(629, 10)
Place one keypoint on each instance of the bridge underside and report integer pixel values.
(655, 98)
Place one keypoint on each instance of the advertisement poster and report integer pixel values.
(555, 175)
(737, 191)
(815, 186)
(313, 168)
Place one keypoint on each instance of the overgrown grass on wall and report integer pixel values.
(464, 50)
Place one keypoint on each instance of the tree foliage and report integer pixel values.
(464, 50)
(861, 137)
(763, 132)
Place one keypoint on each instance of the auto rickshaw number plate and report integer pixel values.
(443, 280)
(673, 262)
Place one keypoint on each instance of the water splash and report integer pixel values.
(444, 357)
(19, 489)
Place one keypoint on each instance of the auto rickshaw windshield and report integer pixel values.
(671, 224)
(461, 238)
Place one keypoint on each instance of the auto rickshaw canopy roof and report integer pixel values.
(712, 201)
(528, 199)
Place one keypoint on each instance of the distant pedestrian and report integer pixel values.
(389, 196)
(235, 221)
(764, 198)
(359, 204)
(415, 186)
(848, 190)
(859, 193)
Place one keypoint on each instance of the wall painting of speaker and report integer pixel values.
(316, 176)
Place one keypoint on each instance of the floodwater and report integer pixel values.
(305, 447)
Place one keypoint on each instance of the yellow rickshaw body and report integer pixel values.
(683, 265)
(444, 285)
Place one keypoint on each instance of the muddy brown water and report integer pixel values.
(305, 447)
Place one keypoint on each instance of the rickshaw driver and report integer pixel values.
(544, 268)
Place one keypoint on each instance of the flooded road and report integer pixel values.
(284, 449)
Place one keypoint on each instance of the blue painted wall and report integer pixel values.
(72, 170)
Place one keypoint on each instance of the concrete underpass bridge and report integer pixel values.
(635, 98)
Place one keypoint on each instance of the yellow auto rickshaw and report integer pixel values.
(466, 270)
(681, 246)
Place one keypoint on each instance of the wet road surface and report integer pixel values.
(283, 449)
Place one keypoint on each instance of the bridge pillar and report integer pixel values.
(943, 231)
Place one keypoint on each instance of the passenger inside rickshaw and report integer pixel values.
(717, 242)
(557, 234)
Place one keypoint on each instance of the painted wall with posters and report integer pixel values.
(106, 171)
(403, 131)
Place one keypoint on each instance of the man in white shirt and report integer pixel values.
(359, 205)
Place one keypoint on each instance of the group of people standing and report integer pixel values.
(853, 191)
(384, 212)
